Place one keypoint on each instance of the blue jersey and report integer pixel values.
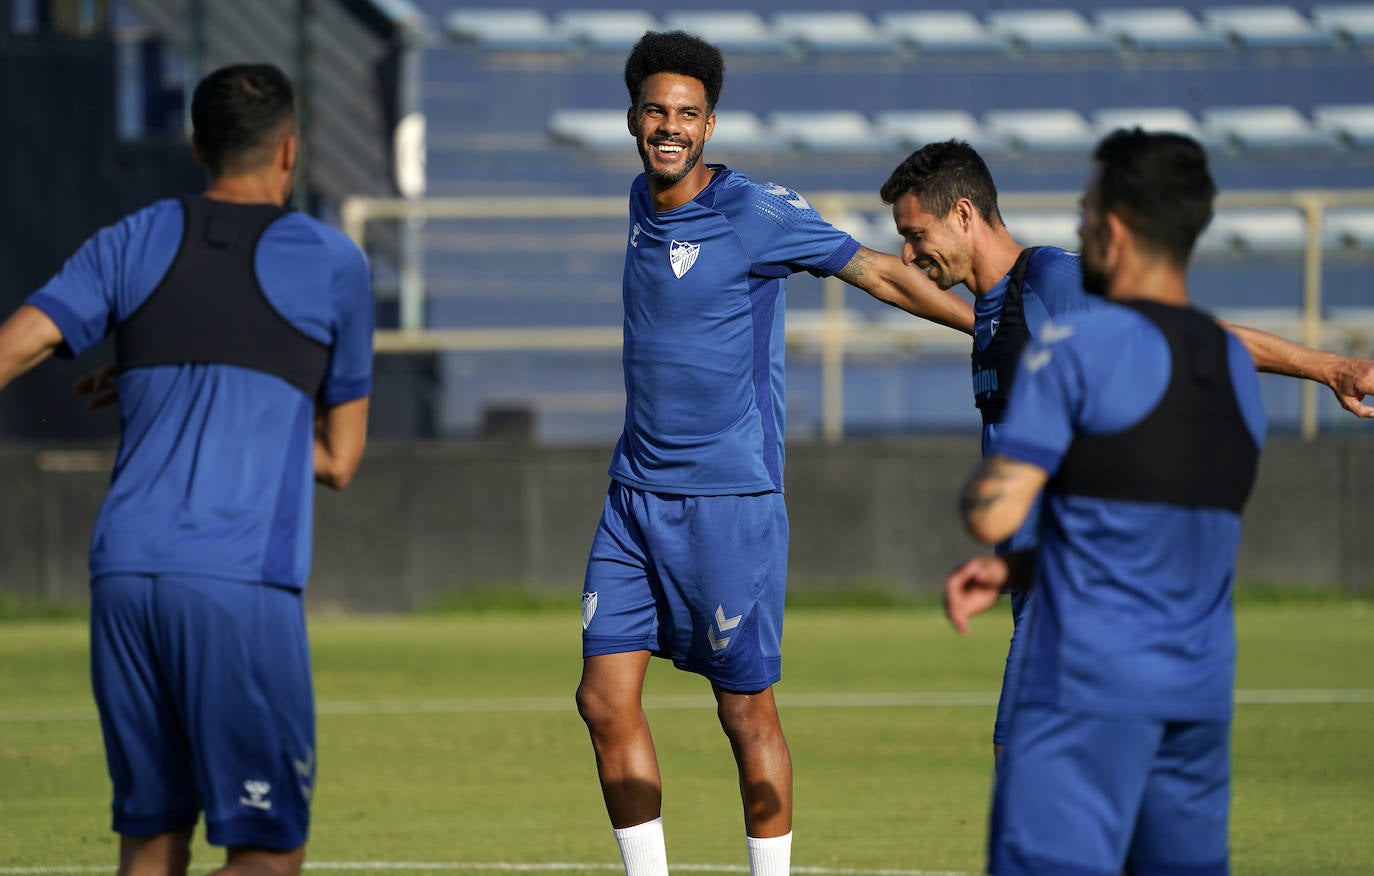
(1133, 607)
(215, 473)
(703, 350)
(1053, 289)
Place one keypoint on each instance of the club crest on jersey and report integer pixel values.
(588, 608)
(683, 255)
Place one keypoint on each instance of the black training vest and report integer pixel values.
(210, 307)
(995, 365)
(1193, 449)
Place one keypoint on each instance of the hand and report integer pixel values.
(100, 384)
(973, 588)
(1350, 382)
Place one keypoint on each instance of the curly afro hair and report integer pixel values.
(675, 52)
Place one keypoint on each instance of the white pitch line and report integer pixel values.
(871, 700)
(513, 867)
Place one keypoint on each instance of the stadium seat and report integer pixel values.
(912, 129)
(824, 130)
(1261, 27)
(1352, 23)
(1166, 28)
(1161, 118)
(1043, 227)
(731, 31)
(741, 131)
(1255, 231)
(1351, 125)
(609, 30)
(1262, 127)
(1351, 229)
(505, 29)
(941, 31)
(832, 32)
(1047, 130)
(1047, 30)
(597, 130)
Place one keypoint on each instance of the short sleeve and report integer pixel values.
(350, 364)
(1045, 400)
(80, 299)
(783, 234)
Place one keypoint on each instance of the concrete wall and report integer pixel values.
(424, 520)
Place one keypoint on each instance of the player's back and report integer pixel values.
(230, 322)
(1141, 518)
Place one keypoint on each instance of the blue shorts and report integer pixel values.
(205, 700)
(698, 579)
(1078, 795)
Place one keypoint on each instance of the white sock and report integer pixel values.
(641, 847)
(771, 855)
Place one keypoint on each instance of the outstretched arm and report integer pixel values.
(1349, 379)
(883, 276)
(28, 337)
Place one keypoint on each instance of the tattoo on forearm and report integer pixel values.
(857, 268)
(985, 488)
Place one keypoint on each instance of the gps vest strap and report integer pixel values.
(1193, 449)
(210, 307)
(994, 366)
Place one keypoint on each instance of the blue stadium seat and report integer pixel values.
(608, 30)
(593, 129)
(1351, 125)
(1041, 130)
(1258, 27)
(1047, 30)
(505, 29)
(912, 129)
(936, 31)
(732, 31)
(1168, 28)
(1352, 23)
(1262, 127)
(833, 32)
(824, 130)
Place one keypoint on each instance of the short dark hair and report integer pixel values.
(235, 113)
(1159, 185)
(677, 52)
(942, 173)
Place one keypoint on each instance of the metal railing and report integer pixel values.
(833, 334)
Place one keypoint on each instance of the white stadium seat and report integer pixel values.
(611, 30)
(730, 30)
(1043, 227)
(1352, 23)
(824, 130)
(1164, 28)
(1262, 127)
(741, 131)
(1255, 230)
(1045, 130)
(1270, 26)
(832, 32)
(937, 31)
(1349, 229)
(1352, 125)
(508, 29)
(597, 130)
(912, 129)
(1052, 30)
(1162, 118)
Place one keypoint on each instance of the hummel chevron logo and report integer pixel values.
(795, 200)
(722, 624)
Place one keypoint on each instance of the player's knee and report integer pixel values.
(250, 861)
(598, 710)
(745, 721)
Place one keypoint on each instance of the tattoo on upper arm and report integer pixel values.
(986, 487)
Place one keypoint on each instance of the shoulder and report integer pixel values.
(1099, 336)
(160, 217)
(302, 230)
(1056, 275)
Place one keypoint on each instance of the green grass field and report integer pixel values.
(450, 744)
